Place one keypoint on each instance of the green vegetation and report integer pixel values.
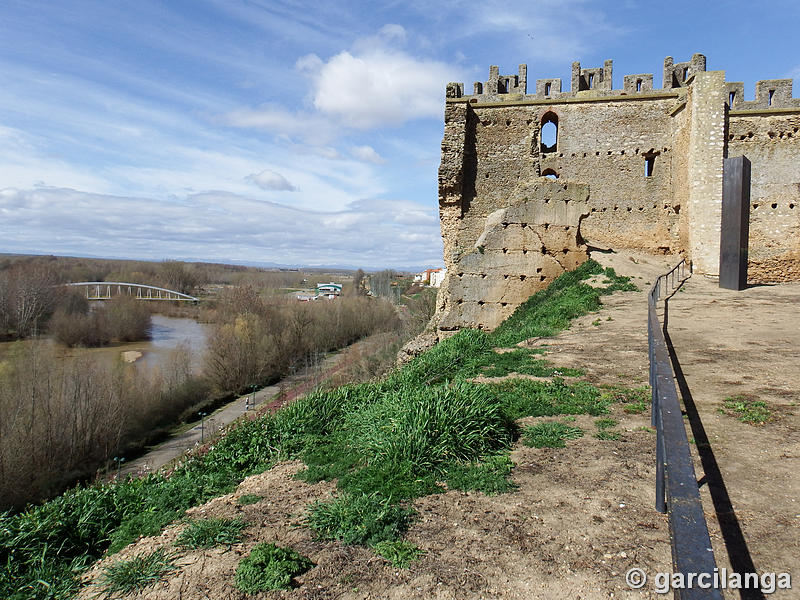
(400, 553)
(385, 442)
(490, 476)
(550, 435)
(364, 519)
(207, 533)
(246, 499)
(747, 409)
(270, 567)
(604, 427)
(135, 574)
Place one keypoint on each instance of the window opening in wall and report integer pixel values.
(546, 89)
(769, 100)
(591, 80)
(549, 133)
(731, 97)
(649, 164)
(638, 85)
(550, 174)
(685, 73)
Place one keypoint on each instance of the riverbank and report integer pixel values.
(264, 400)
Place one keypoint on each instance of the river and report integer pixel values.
(167, 334)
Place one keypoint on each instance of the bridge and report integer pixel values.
(105, 290)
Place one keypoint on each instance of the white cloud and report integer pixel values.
(271, 180)
(373, 84)
(380, 87)
(373, 233)
(367, 154)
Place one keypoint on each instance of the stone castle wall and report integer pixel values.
(641, 166)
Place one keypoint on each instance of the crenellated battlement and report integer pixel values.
(529, 180)
(598, 82)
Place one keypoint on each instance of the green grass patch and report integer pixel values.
(605, 423)
(522, 361)
(246, 499)
(747, 409)
(135, 574)
(400, 553)
(636, 408)
(207, 533)
(359, 519)
(606, 434)
(550, 435)
(270, 567)
(490, 476)
(525, 398)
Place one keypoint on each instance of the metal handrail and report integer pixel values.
(677, 491)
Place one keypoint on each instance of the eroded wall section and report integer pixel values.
(499, 260)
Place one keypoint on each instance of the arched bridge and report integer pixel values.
(105, 290)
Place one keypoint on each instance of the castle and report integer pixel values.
(636, 168)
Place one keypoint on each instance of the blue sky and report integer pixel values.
(295, 132)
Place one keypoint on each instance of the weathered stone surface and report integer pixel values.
(519, 250)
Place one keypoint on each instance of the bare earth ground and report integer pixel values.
(583, 515)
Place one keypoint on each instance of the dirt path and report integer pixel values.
(744, 344)
(268, 398)
(582, 515)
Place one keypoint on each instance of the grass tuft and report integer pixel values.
(270, 567)
(135, 574)
(747, 409)
(400, 553)
(359, 519)
(207, 533)
(490, 477)
(246, 499)
(550, 435)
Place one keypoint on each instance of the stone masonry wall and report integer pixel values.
(771, 141)
(639, 168)
(531, 237)
(705, 154)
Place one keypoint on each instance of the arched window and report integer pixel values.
(550, 174)
(549, 132)
(649, 163)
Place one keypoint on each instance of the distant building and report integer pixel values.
(437, 277)
(425, 277)
(329, 289)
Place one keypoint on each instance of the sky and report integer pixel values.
(295, 133)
